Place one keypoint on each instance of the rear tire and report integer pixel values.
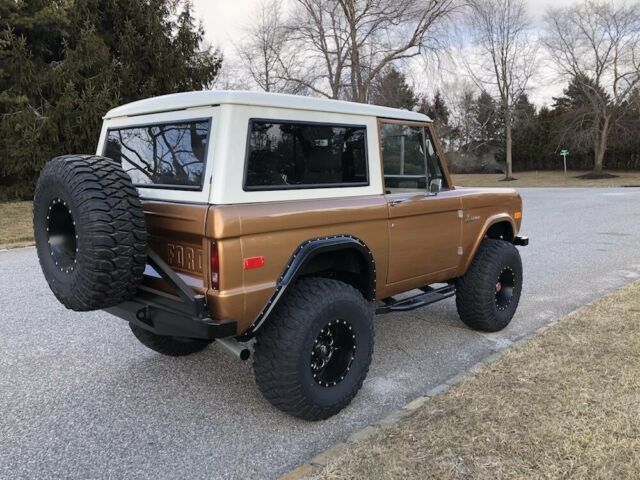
(487, 296)
(90, 232)
(170, 346)
(313, 354)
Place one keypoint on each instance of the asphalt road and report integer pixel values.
(81, 398)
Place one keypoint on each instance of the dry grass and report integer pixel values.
(565, 404)
(546, 179)
(16, 225)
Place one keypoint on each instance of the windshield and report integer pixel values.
(167, 155)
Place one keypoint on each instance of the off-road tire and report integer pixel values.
(283, 348)
(170, 346)
(476, 291)
(108, 225)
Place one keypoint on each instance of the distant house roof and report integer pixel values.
(181, 101)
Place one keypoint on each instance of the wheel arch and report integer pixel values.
(343, 257)
(499, 226)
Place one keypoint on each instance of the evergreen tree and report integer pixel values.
(392, 90)
(579, 124)
(64, 63)
(488, 121)
(526, 139)
(438, 111)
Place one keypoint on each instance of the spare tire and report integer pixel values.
(90, 231)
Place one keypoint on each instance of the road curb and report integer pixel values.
(15, 246)
(309, 469)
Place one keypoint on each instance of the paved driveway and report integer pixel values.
(80, 398)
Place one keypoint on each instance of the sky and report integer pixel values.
(224, 21)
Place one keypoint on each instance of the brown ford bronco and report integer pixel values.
(231, 216)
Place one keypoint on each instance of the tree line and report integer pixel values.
(472, 127)
(353, 49)
(65, 63)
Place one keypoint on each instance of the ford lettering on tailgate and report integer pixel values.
(184, 257)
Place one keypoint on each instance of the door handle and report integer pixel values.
(393, 203)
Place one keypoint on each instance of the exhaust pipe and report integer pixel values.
(232, 345)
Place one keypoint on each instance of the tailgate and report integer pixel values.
(177, 235)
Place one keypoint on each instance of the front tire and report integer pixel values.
(170, 346)
(488, 294)
(313, 354)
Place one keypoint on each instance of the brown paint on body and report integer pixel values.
(416, 239)
(414, 243)
(177, 234)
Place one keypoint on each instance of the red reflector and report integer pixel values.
(215, 267)
(253, 262)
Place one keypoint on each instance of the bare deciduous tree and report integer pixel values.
(232, 76)
(262, 51)
(502, 57)
(382, 32)
(598, 42)
(460, 96)
(317, 31)
(348, 43)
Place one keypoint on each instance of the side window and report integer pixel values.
(285, 155)
(433, 164)
(169, 155)
(403, 158)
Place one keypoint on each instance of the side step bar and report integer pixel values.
(430, 295)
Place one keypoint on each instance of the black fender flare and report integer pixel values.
(303, 254)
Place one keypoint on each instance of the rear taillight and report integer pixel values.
(215, 267)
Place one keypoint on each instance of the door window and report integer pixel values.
(403, 158)
(434, 170)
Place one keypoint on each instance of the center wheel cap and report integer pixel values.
(333, 352)
(505, 288)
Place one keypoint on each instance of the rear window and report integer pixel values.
(289, 155)
(168, 155)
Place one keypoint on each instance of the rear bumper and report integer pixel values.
(521, 241)
(166, 315)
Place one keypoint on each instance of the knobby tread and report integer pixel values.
(110, 224)
(279, 350)
(170, 346)
(475, 290)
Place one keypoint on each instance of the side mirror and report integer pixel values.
(435, 186)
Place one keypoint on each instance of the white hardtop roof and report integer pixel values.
(182, 101)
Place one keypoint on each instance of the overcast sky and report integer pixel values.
(224, 21)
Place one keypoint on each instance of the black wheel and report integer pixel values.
(171, 346)
(313, 354)
(90, 231)
(487, 295)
